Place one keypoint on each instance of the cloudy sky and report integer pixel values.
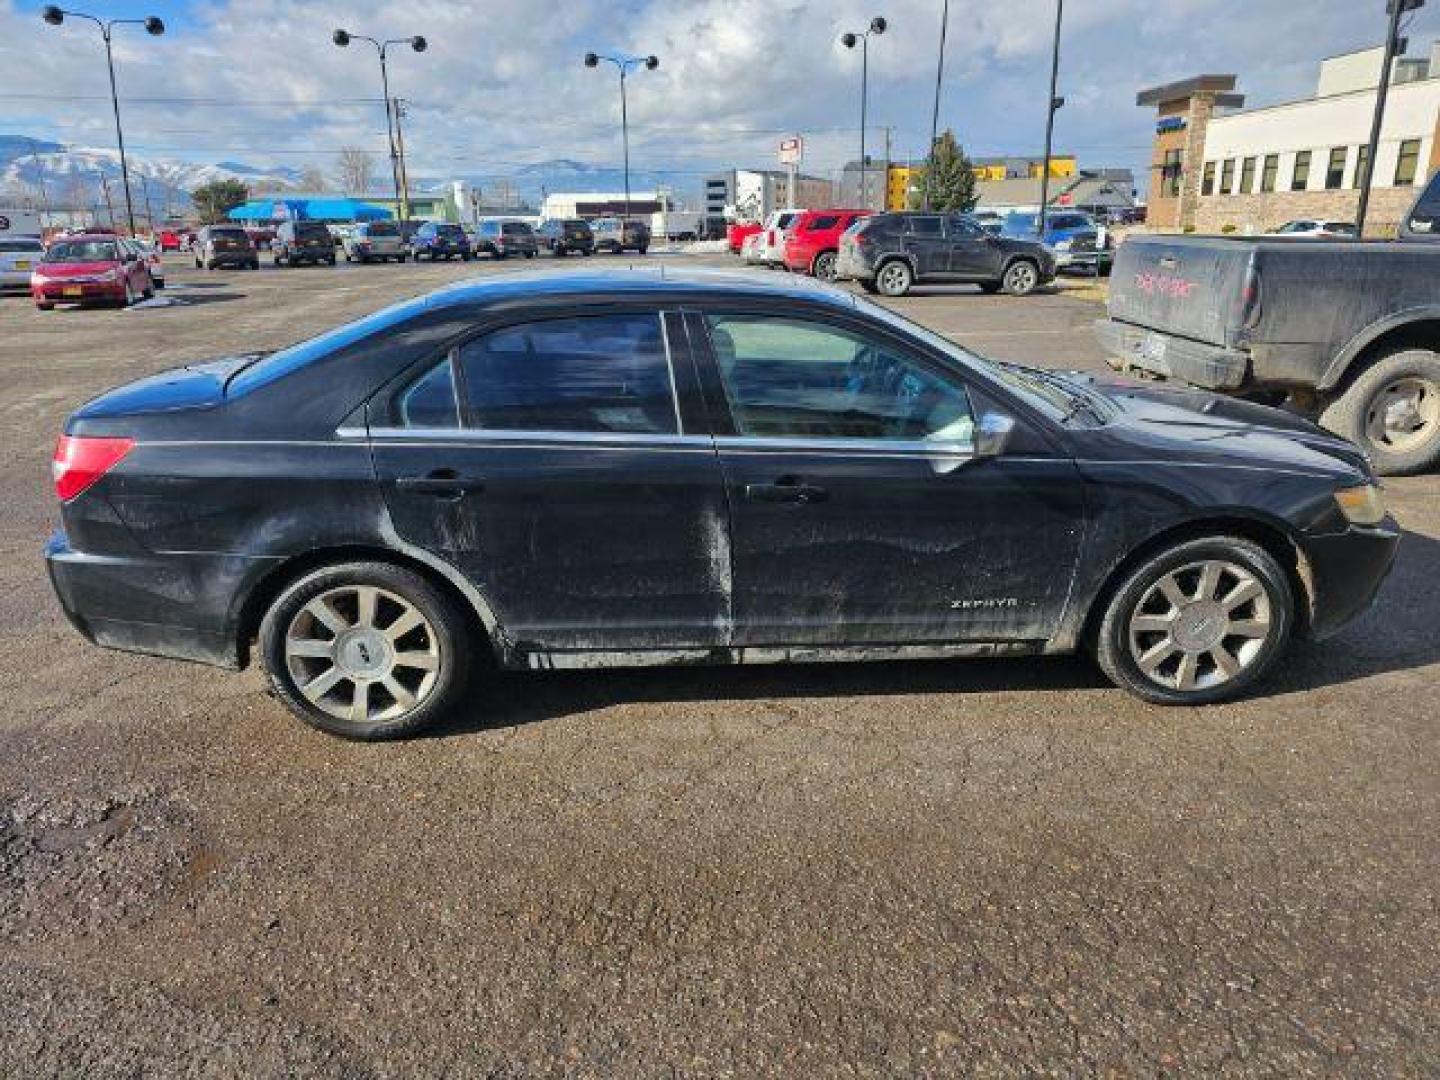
(502, 83)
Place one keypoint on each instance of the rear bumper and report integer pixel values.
(852, 266)
(1131, 347)
(178, 606)
(1346, 571)
(230, 258)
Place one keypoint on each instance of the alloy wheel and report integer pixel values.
(825, 266)
(362, 654)
(894, 279)
(1404, 414)
(1021, 278)
(1200, 625)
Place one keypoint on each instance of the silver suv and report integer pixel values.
(375, 240)
(19, 255)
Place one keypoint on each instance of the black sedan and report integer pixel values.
(584, 469)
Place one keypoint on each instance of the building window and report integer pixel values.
(1247, 176)
(1268, 174)
(1301, 180)
(1362, 164)
(1207, 184)
(1407, 163)
(1335, 171)
(1227, 177)
(1170, 175)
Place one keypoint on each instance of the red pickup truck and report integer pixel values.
(814, 239)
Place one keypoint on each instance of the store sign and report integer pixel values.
(1171, 123)
(791, 151)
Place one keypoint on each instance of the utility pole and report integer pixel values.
(885, 189)
(1396, 8)
(935, 112)
(1051, 107)
(149, 211)
(109, 206)
(400, 147)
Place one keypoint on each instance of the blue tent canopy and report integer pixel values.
(338, 209)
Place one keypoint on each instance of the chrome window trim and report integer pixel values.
(757, 444)
(494, 435)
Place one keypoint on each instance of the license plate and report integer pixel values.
(22, 264)
(72, 290)
(1153, 346)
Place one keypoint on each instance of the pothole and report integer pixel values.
(73, 866)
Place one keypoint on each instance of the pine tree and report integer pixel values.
(953, 186)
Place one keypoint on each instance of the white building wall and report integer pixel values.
(1320, 124)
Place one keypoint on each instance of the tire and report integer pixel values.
(439, 644)
(894, 278)
(197, 264)
(149, 293)
(865, 283)
(823, 267)
(1391, 410)
(642, 250)
(529, 254)
(254, 264)
(129, 297)
(43, 306)
(330, 261)
(1140, 620)
(990, 288)
(349, 258)
(1022, 277)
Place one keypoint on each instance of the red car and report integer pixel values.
(89, 269)
(814, 239)
(736, 233)
(171, 240)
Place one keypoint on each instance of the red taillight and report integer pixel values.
(80, 461)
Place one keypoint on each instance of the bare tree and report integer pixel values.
(313, 179)
(356, 169)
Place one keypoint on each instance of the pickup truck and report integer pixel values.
(1345, 331)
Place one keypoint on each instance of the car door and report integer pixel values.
(973, 253)
(547, 459)
(861, 511)
(923, 239)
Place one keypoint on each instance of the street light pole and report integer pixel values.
(342, 38)
(1396, 8)
(1054, 104)
(624, 64)
(154, 27)
(935, 112)
(877, 26)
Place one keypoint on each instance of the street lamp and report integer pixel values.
(935, 113)
(1393, 44)
(154, 27)
(342, 38)
(624, 64)
(1056, 104)
(877, 26)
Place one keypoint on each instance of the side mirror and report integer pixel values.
(992, 434)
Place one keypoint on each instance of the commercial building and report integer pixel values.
(598, 204)
(1024, 168)
(1096, 191)
(1218, 167)
(751, 194)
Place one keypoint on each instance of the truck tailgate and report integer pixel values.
(1189, 286)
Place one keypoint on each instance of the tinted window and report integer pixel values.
(516, 228)
(965, 227)
(798, 379)
(598, 373)
(1427, 210)
(923, 226)
(453, 232)
(429, 401)
(1068, 221)
(826, 221)
(381, 228)
(312, 229)
(21, 245)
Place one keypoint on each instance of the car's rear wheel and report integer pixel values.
(894, 278)
(44, 305)
(1021, 278)
(129, 297)
(366, 650)
(1198, 623)
(824, 266)
(1392, 411)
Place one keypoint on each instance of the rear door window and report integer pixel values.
(600, 373)
(820, 224)
(430, 401)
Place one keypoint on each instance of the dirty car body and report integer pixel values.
(634, 467)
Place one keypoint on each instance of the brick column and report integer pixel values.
(1192, 164)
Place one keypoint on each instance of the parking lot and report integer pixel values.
(892, 869)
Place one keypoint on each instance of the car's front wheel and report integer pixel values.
(894, 278)
(1198, 623)
(1021, 278)
(366, 650)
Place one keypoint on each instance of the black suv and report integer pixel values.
(888, 253)
(299, 242)
(562, 237)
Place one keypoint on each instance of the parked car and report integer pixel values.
(440, 240)
(772, 236)
(1078, 241)
(737, 231)
(1330, 230)
(750, 250)
(19, 255)
(299, 243)
(562, 236)
(876, 490)
(150, 253)
(617, 236)
(82, 269)
(1347, 330)
(813, 241)
(171, 239)
(501, 239)
(370, 240)
(890, 253)
(224, 245)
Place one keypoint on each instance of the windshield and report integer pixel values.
(312, 229)
(1047, 392)
(21, 245)
(449, 231)
(381, 228)
(516, 228)
(79, 251)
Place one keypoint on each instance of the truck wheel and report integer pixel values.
(1021, 278)
(1392, 412)
(894, 278)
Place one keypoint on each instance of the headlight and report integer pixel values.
(1363, 505)
(1063, 245)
